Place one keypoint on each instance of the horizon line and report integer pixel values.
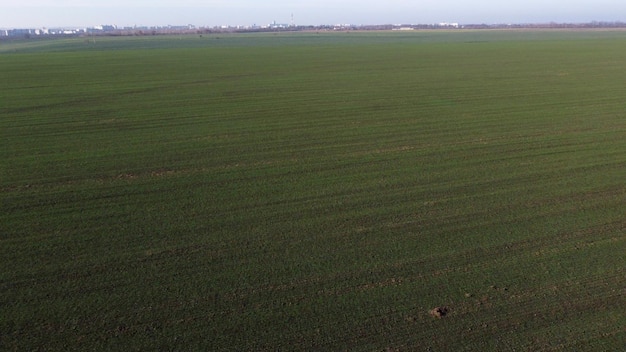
(317, 25)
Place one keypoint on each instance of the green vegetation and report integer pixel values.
(314, 192)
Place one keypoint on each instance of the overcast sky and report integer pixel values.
(51, 13)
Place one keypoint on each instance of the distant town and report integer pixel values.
(113, 30)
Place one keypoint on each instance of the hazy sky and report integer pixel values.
(51, 13)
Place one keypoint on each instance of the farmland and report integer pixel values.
(314, 191)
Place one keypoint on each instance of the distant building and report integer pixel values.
(446, 24)
(105, 28)
(42, 31)
(20, 32)
(278, 25)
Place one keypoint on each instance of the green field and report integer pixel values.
(314, 191)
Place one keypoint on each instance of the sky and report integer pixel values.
(123, 13)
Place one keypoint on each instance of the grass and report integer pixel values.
(314, 191)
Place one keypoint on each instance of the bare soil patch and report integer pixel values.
(439, 312)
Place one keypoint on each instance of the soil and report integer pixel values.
(439, 312)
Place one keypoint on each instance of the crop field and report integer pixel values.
(423, 191)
